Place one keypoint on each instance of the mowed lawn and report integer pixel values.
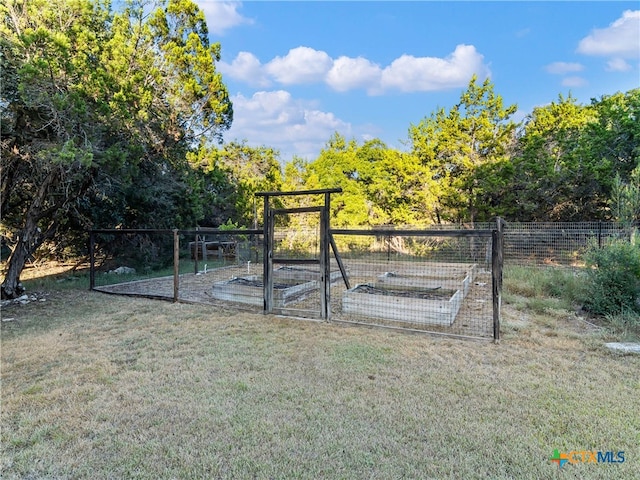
(97, 386)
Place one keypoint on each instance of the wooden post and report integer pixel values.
(176, 265)
(195, 254)
(92, 261)
(325, 264)
(267, 277)
(496, 275)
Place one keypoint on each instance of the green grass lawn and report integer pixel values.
(106, 387)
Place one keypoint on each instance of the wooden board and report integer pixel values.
(254, 294)
(292, 273)
(433, 280)
(402, 309)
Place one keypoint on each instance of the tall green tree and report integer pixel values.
(94, 103)
(338, 166)
(613, 134)
(569, 157)
(550, 173)
(236, 171)
(380, 186)
(461, 148)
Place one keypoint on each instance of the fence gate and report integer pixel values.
(322, 279)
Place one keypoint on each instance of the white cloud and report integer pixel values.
(350, 73)
(300, 65)
(221, 16)
(620, 39)
(303, 65)
(574, 82)
(276, 119)
(618, 65)
(247, 68)
(560, 68)
(411, 74)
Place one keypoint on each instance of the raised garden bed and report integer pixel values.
(459, 278)
(432, 299)
(250, 290)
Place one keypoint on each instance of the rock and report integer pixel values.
(624, 347)
(123, 270)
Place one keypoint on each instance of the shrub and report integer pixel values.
(613, 278)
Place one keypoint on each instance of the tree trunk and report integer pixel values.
(11, 286)
(29, 240)
(30, 237)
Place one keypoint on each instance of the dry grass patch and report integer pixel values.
(96, 386)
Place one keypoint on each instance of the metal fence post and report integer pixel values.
(176, 265)
(195, 253)
(496, 276)
(268, 241)
(92, 260)
(325, 266)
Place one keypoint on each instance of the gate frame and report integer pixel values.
(326, 243)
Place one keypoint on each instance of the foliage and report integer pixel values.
(625, 198)
(613, 278)
(380, 186)
(98, 110)
(563, 284)
(568, 156)
(460, 149)
(231, 176)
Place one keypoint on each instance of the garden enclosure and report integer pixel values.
(443, 280)
(438, 281)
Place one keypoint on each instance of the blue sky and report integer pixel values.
(299, 71)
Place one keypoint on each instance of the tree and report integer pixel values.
(625, 198)
(239, 171)
(547, 164)
(461, 148)
(569, 156)
(94, 100)
(613, 134)
(380, 186)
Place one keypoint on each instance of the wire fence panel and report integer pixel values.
(431, 283)
(205, 268)
(562, 244)
(551, 243)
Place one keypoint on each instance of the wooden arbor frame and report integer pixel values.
(326, 242)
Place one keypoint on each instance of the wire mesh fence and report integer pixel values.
(562, 244)
(556, 243)
(421, 280)
(428, 282)
(441, 280)
(175, 265)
